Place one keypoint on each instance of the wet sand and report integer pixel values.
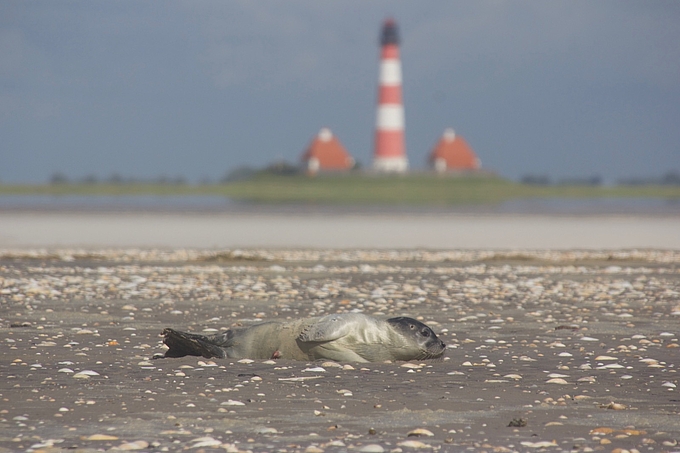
(548, 351)
(337, 230)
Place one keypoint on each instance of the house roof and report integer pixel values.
(328, 151)
(455, 152)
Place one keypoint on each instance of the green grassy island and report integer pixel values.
(358, 188)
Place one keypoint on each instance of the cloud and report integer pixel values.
(144, 76)
(316, 45)
(15, 53)
(22, 64)
(274, 44)
(594, 42)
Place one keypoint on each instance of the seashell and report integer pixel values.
(420, 432)
(232, 403)
(605, 357)
(85, 374)
(539, 444)
(556, 381)
(590, 379)
(205, 442)
(410, 365)
(371, 448)
(413, 444)
(101, 437)
(136, 445)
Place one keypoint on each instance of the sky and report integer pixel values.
(195, 89)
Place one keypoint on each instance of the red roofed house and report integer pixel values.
(453, 153)
(326, 153)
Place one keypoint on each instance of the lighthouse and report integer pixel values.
(390, 150)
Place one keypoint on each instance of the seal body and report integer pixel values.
(342, 337)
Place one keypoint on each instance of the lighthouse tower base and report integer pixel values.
(390, 164)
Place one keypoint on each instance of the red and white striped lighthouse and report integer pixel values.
(390, 149)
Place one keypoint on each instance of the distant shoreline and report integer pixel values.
(359, 189)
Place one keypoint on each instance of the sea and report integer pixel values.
(218, 204)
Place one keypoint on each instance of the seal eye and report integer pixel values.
(425, 333)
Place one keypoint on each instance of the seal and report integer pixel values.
(351, 337)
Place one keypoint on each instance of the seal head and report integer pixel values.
(430, 345)
(355, 337)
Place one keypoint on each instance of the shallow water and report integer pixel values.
(214, 203)
(591, 206)
(114, 202)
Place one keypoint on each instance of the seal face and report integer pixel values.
(342, 337)
(432, 347)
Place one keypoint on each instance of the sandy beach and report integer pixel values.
(547, 351)
(561, 331)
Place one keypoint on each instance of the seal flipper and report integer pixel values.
(183, 343)
(328, 328)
